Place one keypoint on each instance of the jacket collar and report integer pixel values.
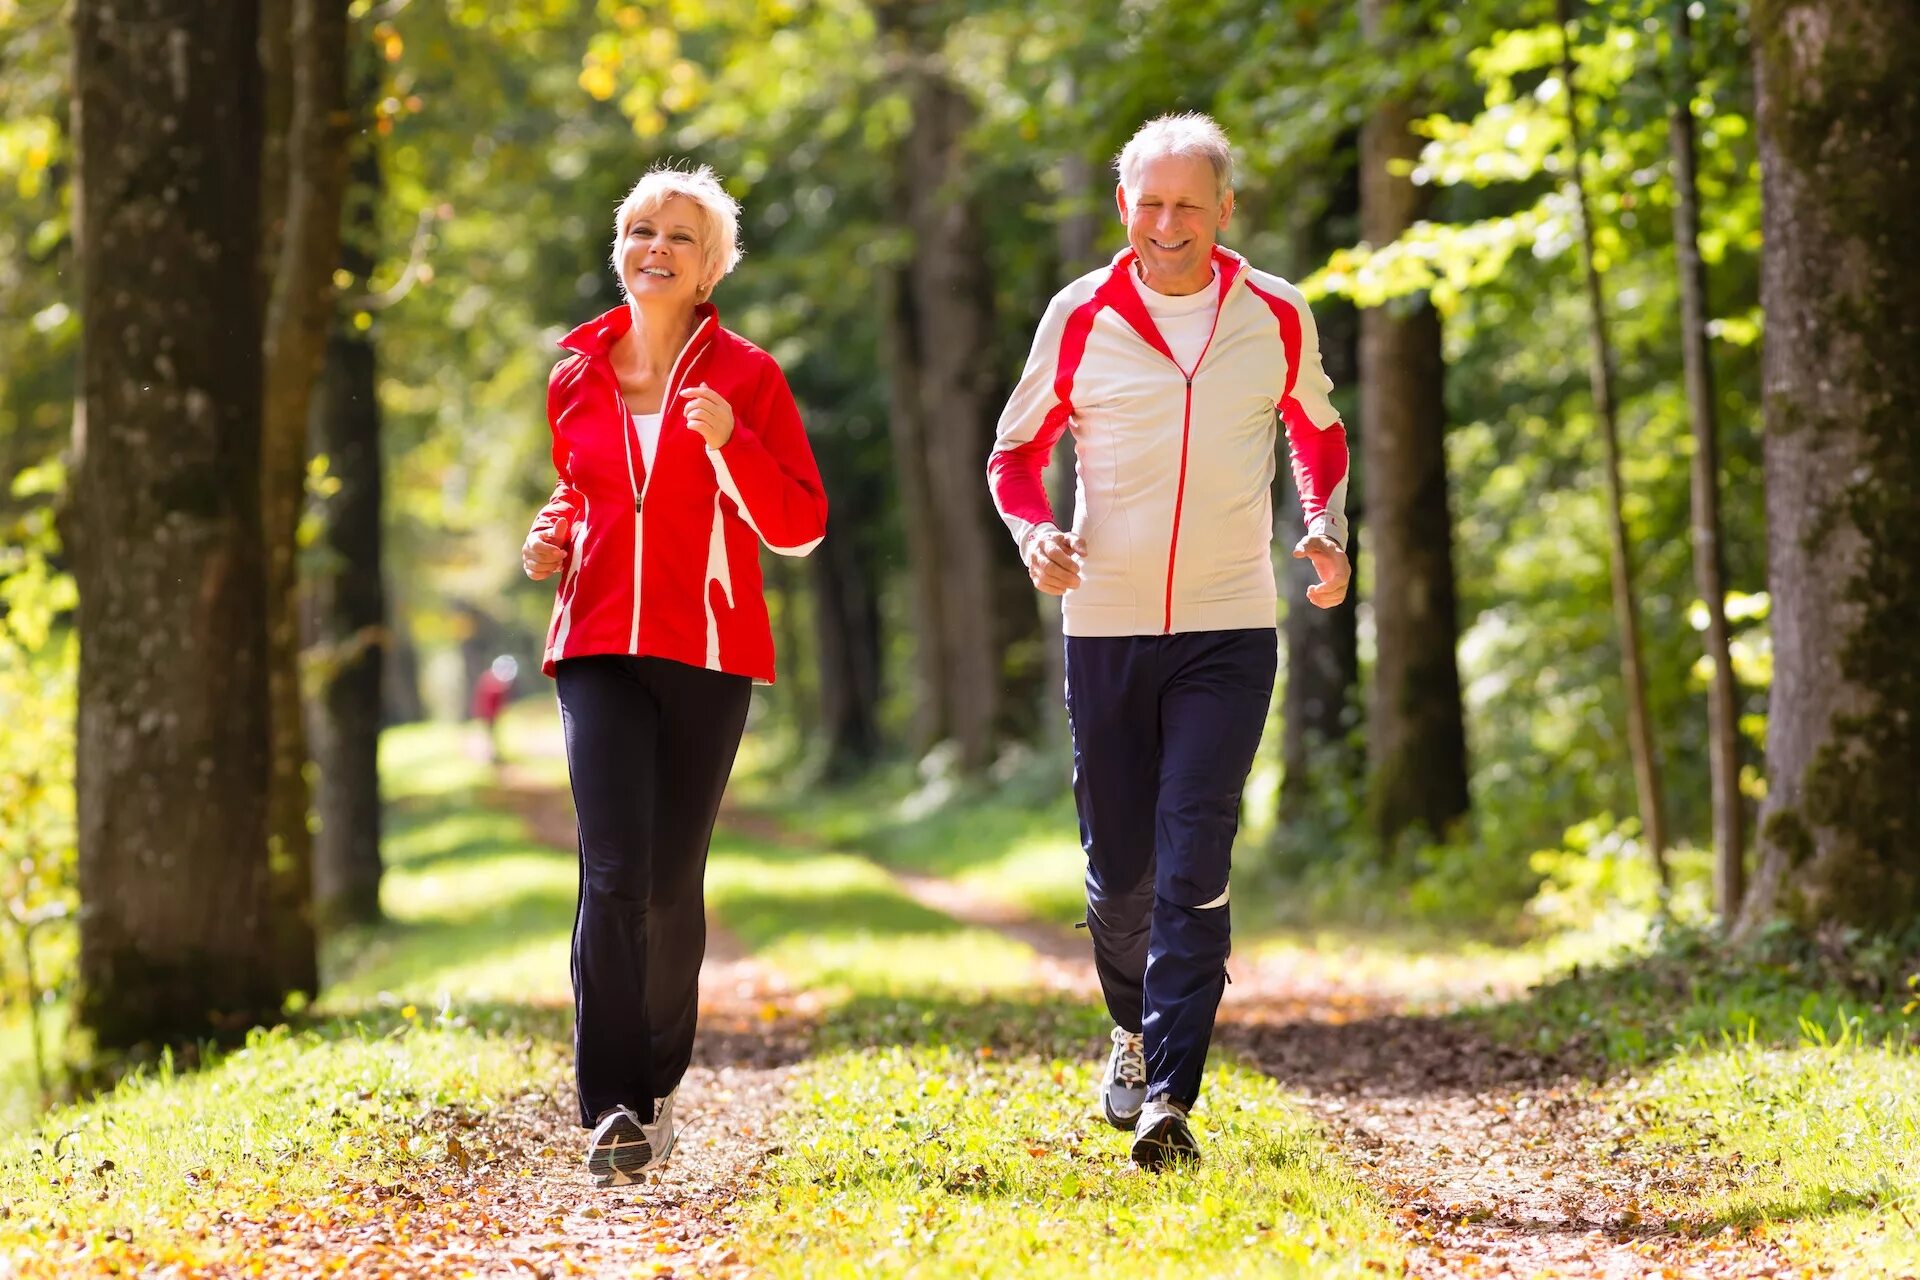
(596, 337)
(1119, 292)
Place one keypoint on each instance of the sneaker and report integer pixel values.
(663, 1132)
(1162, 1136)
(619, 1150)
(1124, 1086)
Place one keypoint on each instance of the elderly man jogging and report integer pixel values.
(1177, 367)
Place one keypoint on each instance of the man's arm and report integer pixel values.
(1318, 444)
(1037, 412)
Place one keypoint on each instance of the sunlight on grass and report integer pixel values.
(1823, 1141)
(833, 920)
(935, 1160)
(142, 1176)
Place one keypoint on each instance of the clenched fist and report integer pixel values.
(544, 551)
(1054, 559)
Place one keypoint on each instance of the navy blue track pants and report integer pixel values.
(1164, 733)
(650, 743)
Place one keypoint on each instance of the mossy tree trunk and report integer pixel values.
(1839, 137)
(176, 937)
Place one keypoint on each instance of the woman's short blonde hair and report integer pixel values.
(1188, 134)
(718, 211)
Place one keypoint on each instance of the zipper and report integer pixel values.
(1186, 435)
(640, 486)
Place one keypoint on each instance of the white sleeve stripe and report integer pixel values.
(732, 490)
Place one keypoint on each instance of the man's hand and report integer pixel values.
(1330, 562)
(542, 554)
(1053, 559)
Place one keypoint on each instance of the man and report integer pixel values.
(1176, 367)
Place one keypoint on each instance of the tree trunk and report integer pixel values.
(945, 318)
(347, 600)
(846, 616)
(1417, 753)
(1323, 656)
(400, 698)
(1075, 240)
(299, 309)
(1646, 760)
(1838, 130)
(1709, 564)
(900, 356)
(783, 581)
(176, 936)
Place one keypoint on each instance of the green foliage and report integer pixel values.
(1693, 988)
(37, 844)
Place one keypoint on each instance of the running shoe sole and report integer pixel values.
(621, 1154)
(1169, 1141)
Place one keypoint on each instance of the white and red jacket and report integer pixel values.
(664, 561)
(1173, 465)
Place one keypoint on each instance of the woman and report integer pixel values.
(679, 451)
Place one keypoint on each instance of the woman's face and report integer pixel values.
(661, 256)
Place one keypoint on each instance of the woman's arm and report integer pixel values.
(767, 468)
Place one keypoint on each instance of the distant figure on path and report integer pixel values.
(1177, 367)
(490, 694)
(679, 451)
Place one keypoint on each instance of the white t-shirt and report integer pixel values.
(648, 425)
(1185, 321)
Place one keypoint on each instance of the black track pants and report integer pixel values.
(650, 743)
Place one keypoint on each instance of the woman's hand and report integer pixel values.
(709, 414)
(542, 554)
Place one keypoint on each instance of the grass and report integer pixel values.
(460, 1001)
(1823, 1137)
(1793, 1064)
(141, 1177)
(1021, 844)
(936, 1160)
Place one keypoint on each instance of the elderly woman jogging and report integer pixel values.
(679, 452)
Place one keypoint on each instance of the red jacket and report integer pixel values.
(665, 562)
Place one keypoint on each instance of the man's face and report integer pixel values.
(1172, 221)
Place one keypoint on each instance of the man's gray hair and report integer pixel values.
(1190, 133)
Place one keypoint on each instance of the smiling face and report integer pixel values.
(1172, 221)
(662, 256)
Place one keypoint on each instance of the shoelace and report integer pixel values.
(1132, 1068)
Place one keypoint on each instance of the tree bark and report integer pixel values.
(1417, 753)
(1709, 562)
(1838, 130)
(176, 936)
(299, 310)
(1318, 704)
(347, 600)
(846, 616)
(1075, 239)
(944, 320)
(1626, 610)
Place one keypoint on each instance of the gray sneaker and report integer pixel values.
(663, 1132)
(619, 1150)
(1124, 1086)
(1163, 1137)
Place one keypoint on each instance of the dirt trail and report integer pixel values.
(506, 1193)
(1495, 1163)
